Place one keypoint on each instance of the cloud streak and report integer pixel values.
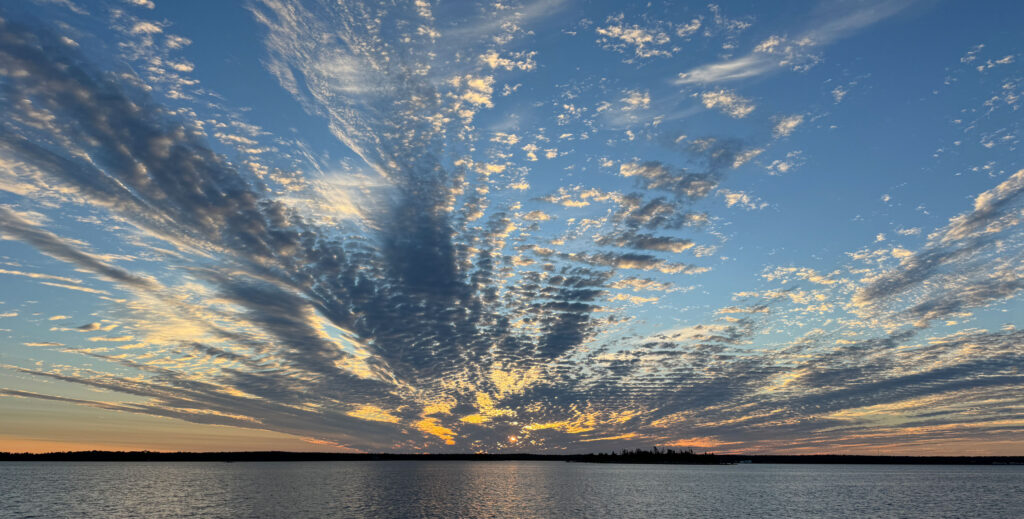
(796, 53)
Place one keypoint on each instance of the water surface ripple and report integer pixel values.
(503, 489)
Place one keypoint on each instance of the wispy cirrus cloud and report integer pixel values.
(795, 53)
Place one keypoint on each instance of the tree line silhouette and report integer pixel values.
(655, 455)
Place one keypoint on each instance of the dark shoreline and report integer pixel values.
(645, 458)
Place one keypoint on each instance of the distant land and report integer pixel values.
(655, 456)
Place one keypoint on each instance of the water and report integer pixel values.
(504, 489)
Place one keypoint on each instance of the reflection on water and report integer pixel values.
(504, 489)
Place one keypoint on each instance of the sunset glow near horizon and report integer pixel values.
(548, 226)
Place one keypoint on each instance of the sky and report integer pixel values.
(541, 226)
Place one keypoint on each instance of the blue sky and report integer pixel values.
(541, 226)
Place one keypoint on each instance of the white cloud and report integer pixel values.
(478, 90)
(636, 100)
(509, 139)
(990, 214)
(786, 125)
(146, 28)
(645, 42)
(741, 199)
(746, 156)
(793, 53)
(838, 93)
(728, 24)
(728, 102)
(780, 166)
(739, 68)
(687, 29)
(519, 60)
(1006, 60)
(972, 54)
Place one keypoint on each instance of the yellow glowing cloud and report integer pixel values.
(373, 413)
(571, 427)
(669, 420)
(632, 299)
(123, 338)
(487, 410)
(626, 436)
(438, 407)
(214, 412)
(489, 169)
(585, 421)
(433, 427)
(317, 441)
(235, 392)
(783, 381)
(514, 382)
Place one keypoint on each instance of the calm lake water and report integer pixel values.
(504, 489)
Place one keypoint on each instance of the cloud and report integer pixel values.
(657, 176)
(537, 216)
(786, 125)
(640, 241)
(792, 160)
(148, 4)
(994, 211)
(439, 316)
(728, 102)
(327, 314)
(839, 93)
(657, 213)
(636, 100)
(957, 263)
(740, 68)
(146, 28)
(741, 199)
(15, 226)
(644, 42)
(797, 53)
(636, 284)
(519, 60)
(37, 275)
(639, 262)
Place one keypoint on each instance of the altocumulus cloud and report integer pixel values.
(459, 312)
